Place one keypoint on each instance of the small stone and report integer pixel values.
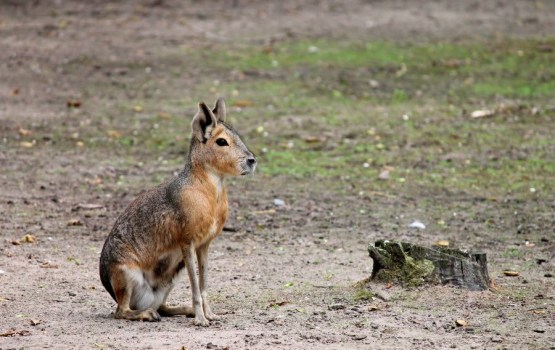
(461, 323)
(72, 294)
(337, 306)
(442, 243)
(279, 202)
(417, 224)
(384, 175)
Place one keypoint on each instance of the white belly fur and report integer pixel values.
(144, 295)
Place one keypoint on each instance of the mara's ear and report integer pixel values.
(219, 110)
(203, 123)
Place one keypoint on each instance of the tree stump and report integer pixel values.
(413, 265)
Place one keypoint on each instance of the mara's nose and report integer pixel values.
(251, 161)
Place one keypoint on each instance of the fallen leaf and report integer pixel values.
(74, 222)
(13, 332)
(48, 265)
(35, 322)
(243, 103)
(442, 243)
(461, 323)
(482, 113)
(73, 103)
(26, 144)
(289, 284)
(278, 303)
(373, 307)
(389, 285)
(16, 242)
(96, 181)
(138, 108)
(114, 134)
(312, 139)
(164, 115)
(88, 206)
(28, 239)
(75, 260)
(15, 92)
(264, 212)
(24, 132)
(511, 273)
(79, 144)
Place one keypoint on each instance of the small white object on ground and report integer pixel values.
(279, 202)
(417, 224)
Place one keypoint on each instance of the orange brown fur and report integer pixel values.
(171, 226)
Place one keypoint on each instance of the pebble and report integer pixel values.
(336, 306)
(417, 224)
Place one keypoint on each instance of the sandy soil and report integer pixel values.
(284, 279)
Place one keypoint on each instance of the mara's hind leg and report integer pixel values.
(202, 256)
(166, 311)
(123, 285)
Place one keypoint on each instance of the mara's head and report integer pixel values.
(216, 146)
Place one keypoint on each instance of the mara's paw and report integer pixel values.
(201, 321)
(150, 315)
(212, 316)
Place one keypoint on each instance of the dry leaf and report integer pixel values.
(13, 332)
(96, 181)
(79, 144)
(16, 242)
(442, 243)
(88, 206)
(389, 285)
(35, 322)
(511, 273)
(243, 103)
(373, 307)
(26, 144)
(24, 132)
(15, 92)
(48, 265)
(28, 239)
(164, 115)
(114, 134)
(264, 212)
(278, 303)
(73, 103)
(461, 323)
(482, 113)
(312, 139)
(138, 108)
(74, 222)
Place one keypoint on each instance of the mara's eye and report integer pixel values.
(222, 142)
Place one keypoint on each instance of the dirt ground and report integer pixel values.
(284, 279)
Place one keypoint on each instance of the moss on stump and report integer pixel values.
(414, 265)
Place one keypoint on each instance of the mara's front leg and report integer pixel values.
(189, 256)
(202, 256)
